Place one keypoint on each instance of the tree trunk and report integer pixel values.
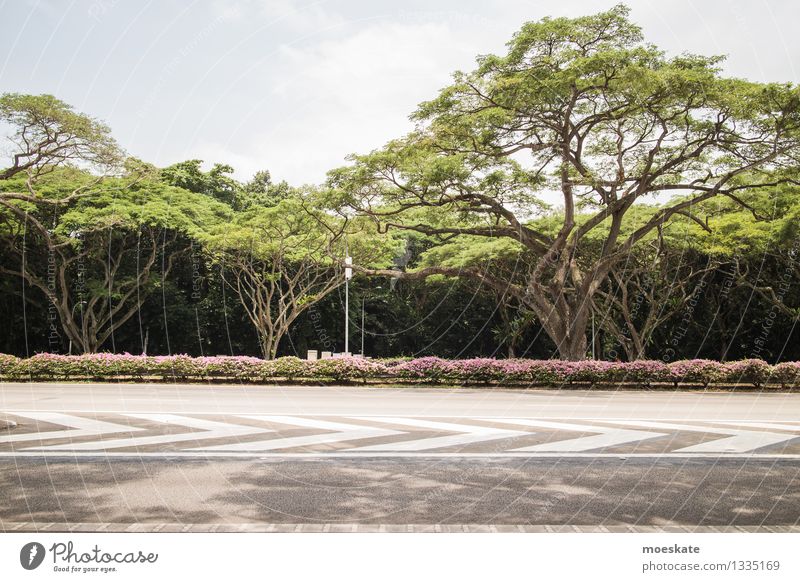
(266, 345)
(269, 342)
(566, 325)
(569, 335)
(574, 347)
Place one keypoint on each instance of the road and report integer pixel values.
(127, 457)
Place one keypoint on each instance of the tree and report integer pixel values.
(766, 231)
(96, 259)
(283, 259)
(216, 183)
(758, 247)
(515, 321)
(586, 110)
(262, 191)
(502, 259)
(46, 133)
(654, 284)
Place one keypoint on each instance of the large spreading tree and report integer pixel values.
(96, 259)
(46, 133)
(586, 111)
(283, 255)
(92, 232)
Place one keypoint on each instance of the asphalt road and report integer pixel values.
(169, 458)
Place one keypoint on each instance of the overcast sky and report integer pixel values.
(294, 86)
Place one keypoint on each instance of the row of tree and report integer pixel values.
(583, 194)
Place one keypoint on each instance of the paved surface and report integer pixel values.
(167, 458)
(151, 527)
(245, 399)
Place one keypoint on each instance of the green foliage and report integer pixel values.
(299, 228)
(216, 183)
(585, 108)
(126, 203)
(768, 223)
(46, 132)
(261, 191)
(659, 166)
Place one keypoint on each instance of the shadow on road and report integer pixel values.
(402, 491)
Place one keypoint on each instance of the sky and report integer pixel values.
(294, 86)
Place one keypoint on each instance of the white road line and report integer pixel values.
(469, 434)
(608, 437)
(79, 427)
(392, 455)
(343, 433)
(740, 441)
(210, 430)
(565, 416)
(759, 424)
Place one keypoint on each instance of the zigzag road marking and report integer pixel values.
(767, 425)
(79, 426)
(608, 437)
(469, 434)
(742, 436)
(211, 430)
(207, 455)
(343, 432)
(739, 441)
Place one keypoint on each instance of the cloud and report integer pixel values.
(288, 14)
(340, 96)
(327, 82)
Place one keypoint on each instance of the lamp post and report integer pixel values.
(348, 274)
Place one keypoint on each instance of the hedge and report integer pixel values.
(431, 370)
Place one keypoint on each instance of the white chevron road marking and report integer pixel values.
(469, 434)
(79, 427)
(608, 436)
(736, 437)
(210, 430)
(767, 425)
(341, 433)
(206, 455)
(739, 441)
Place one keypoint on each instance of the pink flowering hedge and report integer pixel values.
(418, 370)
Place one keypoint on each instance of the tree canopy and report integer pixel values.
(46, 133)
(583, 192)
(586, 110)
